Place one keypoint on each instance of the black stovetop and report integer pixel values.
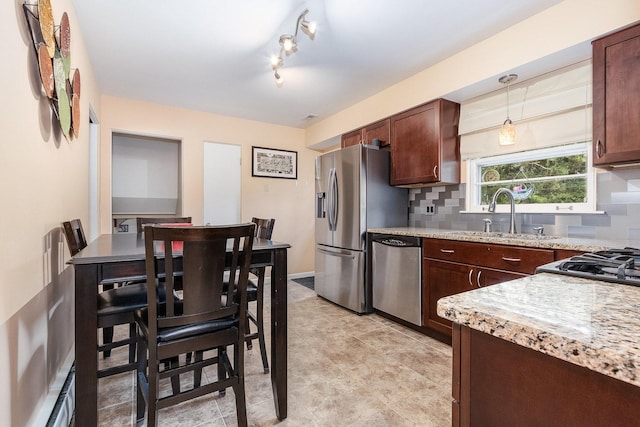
(613, 265)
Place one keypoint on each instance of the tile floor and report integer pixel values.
(344, 370)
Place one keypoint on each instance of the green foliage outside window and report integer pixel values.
(555, 180)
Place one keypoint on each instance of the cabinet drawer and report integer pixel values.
(503, 257)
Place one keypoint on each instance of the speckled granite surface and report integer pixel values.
(529, 240)
(586, 322)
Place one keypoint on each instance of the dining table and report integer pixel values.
(112, 256)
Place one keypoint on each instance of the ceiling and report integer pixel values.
(214, 56)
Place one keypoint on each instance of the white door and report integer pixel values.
(221, 183)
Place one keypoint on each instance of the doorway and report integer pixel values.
(222, 183)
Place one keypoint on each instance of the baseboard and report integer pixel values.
(65, 405)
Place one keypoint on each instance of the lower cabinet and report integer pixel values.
(498, 383)
(450, 267)
(442, 278)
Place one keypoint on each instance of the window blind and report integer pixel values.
(549, 110)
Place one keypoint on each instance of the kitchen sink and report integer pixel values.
(500, 235)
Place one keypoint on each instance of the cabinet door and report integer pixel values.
(379, 131)
(488, 276)
(352, 138)
(415, 147)
(616, 98)
(441, 279)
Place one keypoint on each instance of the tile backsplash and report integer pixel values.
(618, 195)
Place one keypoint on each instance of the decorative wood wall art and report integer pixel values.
(54, 62)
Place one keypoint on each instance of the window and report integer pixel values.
(558, 179)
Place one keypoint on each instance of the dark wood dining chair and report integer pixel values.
(141, 221)
(115, 305)
(203, 319)
(255, 292)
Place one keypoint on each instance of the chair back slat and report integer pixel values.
(264, 227)
(201, 254)
(76, 239)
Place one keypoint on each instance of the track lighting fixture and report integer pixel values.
(289, 45)
(508, 130)
(278, 77)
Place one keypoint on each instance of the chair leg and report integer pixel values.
(154, 384)
(132, 344)
(107, 333)
(241, 404)
(172, 363)
(222, 371)
(197, 373)
(260, 322)
(247, 331)
(238, 388)
(141, 376)
(107, 338)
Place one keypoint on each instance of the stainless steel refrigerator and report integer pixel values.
(352, 194)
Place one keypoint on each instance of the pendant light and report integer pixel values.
(508, 130)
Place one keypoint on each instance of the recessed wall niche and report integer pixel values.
(145, 176)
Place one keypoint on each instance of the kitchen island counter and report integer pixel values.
(586, 322)
(546, 349)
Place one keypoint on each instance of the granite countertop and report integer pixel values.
(586, 322)
(529, 240)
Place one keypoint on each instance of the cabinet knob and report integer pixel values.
(447, 251)
(435, 171)
(470, 273)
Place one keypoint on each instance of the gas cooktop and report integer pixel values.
(613, 265)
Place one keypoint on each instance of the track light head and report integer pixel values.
(309, 28)
(288, 44)
(279, 79)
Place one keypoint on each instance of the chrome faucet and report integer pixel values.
(492, 207)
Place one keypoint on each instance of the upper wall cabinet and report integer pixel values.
(616, 98)
(425, 146)
(378, 130)
(366, 135)
(352, 138)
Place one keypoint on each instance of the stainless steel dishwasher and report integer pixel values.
(397, 276)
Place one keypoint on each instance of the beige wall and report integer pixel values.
(289, 201)
(44, 182)
(559, 28)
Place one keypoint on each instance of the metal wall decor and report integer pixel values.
(52, 47)
(270, 163)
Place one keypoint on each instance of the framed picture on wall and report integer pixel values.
(271, 163)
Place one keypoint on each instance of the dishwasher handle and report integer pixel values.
(398, 242)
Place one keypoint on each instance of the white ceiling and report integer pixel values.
(214, 56)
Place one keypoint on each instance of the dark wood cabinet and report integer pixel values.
(441, 279)
(425, 145)
(499, 383)
(365, 135)
(378, 130)
(616, 98)
(354, 137)
(451, 267)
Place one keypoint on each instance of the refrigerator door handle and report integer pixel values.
(333, 199)
(338, 254)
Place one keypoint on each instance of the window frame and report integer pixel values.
(473, 179)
